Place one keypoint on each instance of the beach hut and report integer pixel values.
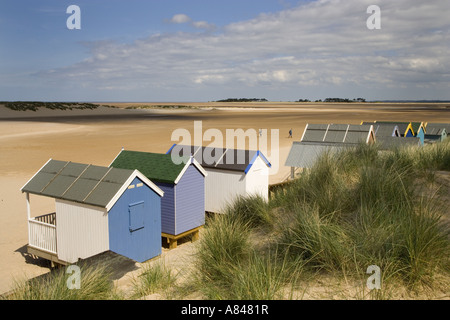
(339, 133)
(183, 183)
(384, 129)
(408, 129)
(320, 138)
(405, 128)
(96, 209)
(437, 131)
(231, 173)
(432, 125)
(389, 143)
(305, 154)
(419, 131)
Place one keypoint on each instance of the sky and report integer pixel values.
(206, 50)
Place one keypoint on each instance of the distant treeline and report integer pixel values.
(243, 100)
(162, 106)
(335, 100)
(299, 100)
(35, 105)
(344, 100)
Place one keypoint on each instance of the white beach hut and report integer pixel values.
(231, 173)
(96, 209)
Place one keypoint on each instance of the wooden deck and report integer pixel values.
(52, 257)
(172, 240)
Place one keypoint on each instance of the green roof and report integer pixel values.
(155, 166)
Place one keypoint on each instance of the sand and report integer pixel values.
(28, 139)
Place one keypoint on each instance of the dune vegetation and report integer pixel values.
(36, 105)
(354, 209)
(314, 239)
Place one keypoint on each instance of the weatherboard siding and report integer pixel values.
(167, 207)
(222, 188)
(257, 180)
(82, 230)
(144, 243)
(190, 201)
(421, 135)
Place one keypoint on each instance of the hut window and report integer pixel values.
(139, 185)
(131, 186)
(136, 216)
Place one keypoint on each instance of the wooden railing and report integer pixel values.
(49, 218)
(42, 233)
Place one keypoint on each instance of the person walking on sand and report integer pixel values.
(290, 133)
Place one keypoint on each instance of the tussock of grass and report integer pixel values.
(154, 277)
(252, 210)
(353, 209)
(225, 243)
(95, 284)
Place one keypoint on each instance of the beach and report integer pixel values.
(29, 139)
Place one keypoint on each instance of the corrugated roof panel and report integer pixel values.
(356, 137)
(70, 181)
(54, 166)
(80, 189)
(209, 157)
(73, 169)
(117, 175)
(434, 131)
(385, 130)
(396, 142)
(334, 135)
(314, 135)
(402, 126)
(338, 127)
(437, 127)
(94, 172)
(39, 181)
(58, 186)
(316, 126)
(304, 155)
(236, 159)
(359, 128)
(103, 193)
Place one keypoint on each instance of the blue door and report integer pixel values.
(135, 223)
(136, 212)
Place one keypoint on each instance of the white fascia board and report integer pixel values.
(304, 131)
(35, 174)
(115, 157)
(125, 185)
(186, 166)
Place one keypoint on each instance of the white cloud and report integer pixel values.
(180, 18)
(203, 25)
(184, 19)
(321, 44)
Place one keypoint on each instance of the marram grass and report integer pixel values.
(353, 209)
(95, 284)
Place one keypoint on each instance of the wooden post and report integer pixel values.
(195, 236)
(28, 205)
(172, 243)
(28, 214)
